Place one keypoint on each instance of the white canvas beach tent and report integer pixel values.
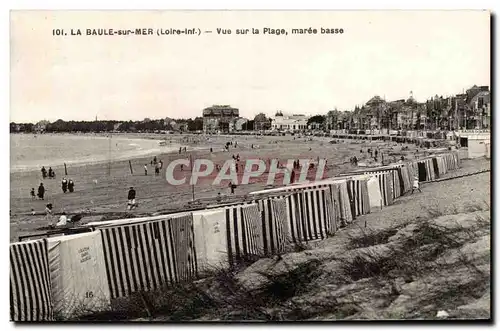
(78, 274)
(210, 237)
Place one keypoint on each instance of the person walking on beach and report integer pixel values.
(157, 169)
(180, 150)
(131, 199)
(160, 164)
(416, 185)
(41, 191)
(71, 186)
(51, 173)
(48, 214)
(44, 173)
(145, 169)
(232, 187)
(64, 185)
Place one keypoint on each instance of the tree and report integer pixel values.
(249, 125)
(261, 122)
(196, 124)
(320, 119)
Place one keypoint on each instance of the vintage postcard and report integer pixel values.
(184, 166)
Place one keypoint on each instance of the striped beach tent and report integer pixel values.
(275, 232)
(435, 167)
(30, 286)
(315, 219)
(281, 221)
(140, 256)
(358, 193)
(236, 234)
(181, 227)
(341, 212)
(396, 188)
(78, 274)
(253, 226)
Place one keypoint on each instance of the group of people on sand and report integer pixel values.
(182, 149)
(158, 164)
(63, 219)
(228, 144)
(66, 186)
(50, 173)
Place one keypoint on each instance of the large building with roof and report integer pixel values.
(295, 122)
(220, 118)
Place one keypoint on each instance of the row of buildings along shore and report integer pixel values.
(466, 111)
(469, 110)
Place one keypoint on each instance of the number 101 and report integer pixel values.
(57, 32)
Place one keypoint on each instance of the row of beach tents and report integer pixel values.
(72, 275)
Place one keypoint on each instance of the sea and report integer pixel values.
(32, 151)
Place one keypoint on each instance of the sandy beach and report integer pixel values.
(102, 187)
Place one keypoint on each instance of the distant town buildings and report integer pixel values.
(295, 122)
(468, 110)
(220, 118)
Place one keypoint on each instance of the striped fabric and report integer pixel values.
(358, 194)
(344, 203)
(275, 221)
(281, 238)
(407, 178)
(139, 257)
(237, 237)
(182, 231)
(317, 217)
(295, 220)
(30, 287)
(396, 187)
(252, 221)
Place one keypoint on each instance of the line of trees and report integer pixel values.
(146, 125)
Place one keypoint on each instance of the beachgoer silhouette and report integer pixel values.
(44, 173)
(32, 193)
(145, 169)
(71, 186)
(64, 185)
(48, 214)
(51, 173)
(131, 198)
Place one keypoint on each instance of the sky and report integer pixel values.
(385, 53)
